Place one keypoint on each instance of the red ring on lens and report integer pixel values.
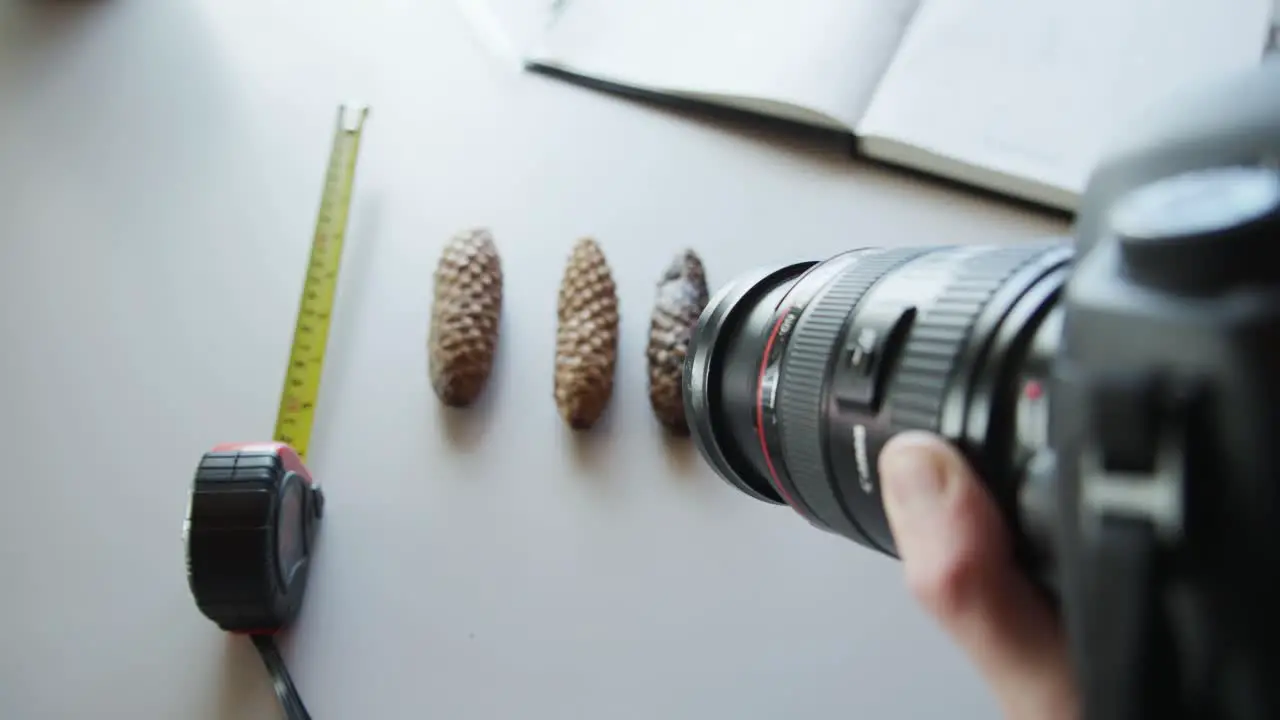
(764, 443)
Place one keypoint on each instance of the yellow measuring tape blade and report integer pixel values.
(311, 333)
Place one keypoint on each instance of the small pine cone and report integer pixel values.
(587, 337)
(682, 294)
(464, 317)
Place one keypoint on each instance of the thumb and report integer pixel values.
(959, 565)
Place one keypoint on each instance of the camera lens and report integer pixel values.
(796, 377)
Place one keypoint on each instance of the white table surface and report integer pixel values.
(160, 162)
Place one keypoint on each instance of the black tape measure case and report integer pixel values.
(249, 533)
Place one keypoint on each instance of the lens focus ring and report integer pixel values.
(808, 355)
(941, 331)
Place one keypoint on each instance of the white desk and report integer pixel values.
(160, 163)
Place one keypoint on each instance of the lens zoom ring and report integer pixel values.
(808, 355)
(940, 333)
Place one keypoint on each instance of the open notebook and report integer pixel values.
(1017, 96)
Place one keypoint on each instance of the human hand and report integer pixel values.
(959, 564)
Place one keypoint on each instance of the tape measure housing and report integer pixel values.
(254, 514)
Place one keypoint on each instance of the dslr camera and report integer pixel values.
(1118, 390)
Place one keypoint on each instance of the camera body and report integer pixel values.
(1166, 415)
(1119, 394)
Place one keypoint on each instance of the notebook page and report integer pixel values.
(824, 55)
(1033, 88)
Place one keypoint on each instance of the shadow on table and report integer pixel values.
(356, 283)
(466, 427)
(680, 455)
(593, 448)
(594, 451)
(41, 22)
(245, 690)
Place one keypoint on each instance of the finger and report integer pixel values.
(959, 564)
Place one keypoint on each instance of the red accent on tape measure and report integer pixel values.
(288, 456)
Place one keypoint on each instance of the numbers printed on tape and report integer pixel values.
(311, 333)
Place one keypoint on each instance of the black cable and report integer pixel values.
(290, 701)
(279, 676)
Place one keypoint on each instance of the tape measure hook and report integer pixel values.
(351, 117)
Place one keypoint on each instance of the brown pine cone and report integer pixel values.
(464, 317)
(587, 337)
(682, 294)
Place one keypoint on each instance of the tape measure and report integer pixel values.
(254, 509)
(306, 360)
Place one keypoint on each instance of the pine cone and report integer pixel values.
(682, 294)
(464, 317)
(587, 337)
